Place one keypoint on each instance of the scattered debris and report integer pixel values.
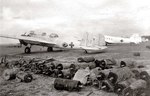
(82, 75)
(122, 76)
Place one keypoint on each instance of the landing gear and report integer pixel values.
(49, 49)
(27, 50)
(85, 51)
(106, 43)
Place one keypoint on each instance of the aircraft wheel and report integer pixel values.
(85, 51)
(27, 50)
(50, 49)
(106, 43)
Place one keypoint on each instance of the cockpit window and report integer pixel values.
(53, 35)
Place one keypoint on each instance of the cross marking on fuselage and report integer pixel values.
(71, 44)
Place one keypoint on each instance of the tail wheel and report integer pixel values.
(27, 50)
(49, 49)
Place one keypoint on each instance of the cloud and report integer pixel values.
(105, 16)
(38, 1)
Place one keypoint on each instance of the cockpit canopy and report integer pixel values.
(32, 33)
(53, 35)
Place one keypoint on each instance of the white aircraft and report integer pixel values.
(89, 43)
(135, 38)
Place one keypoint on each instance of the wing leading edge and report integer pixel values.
(31, 40)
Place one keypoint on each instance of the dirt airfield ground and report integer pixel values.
(43, 85)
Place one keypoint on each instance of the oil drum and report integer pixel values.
(66, 84)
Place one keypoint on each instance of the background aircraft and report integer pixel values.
(135, 38)
(87, 42)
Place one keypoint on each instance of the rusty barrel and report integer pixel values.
(4, 60)
(73, 69)
(84, 65)
(128, 92)
(105, 63)
(86, 59)
(126, 62)
(66, 84)
(142, 73)
(136, 88)
(137, 72)
(55, 65)
(14, 63)
(107, 86)
(120, 74)
(145, 75)
(96, 83)
(10, 74)
(72, 66)
(48, 69)
(58, 73)
(96, 70)
(35, 69)
(48, 60)
(101, 64)
(67, 74)
(136, 54)
(76, 66)
(59, 66)
(50, 65)
(103, 74)
(110, 61)
(119, 87)
(24, 77)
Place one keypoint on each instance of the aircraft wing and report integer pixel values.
(31, 40)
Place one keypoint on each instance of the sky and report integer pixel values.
(108, 17)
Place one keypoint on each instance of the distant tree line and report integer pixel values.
(146, 37)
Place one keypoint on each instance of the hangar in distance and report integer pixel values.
(88, 42)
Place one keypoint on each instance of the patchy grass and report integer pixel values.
(43, 85)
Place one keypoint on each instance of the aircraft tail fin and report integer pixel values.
(136, 38)
(93, 40)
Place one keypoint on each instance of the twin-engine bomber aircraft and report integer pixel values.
(89, 42)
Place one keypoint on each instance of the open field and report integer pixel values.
(43, 85)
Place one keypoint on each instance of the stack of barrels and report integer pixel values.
(121, 76)
(125, 80)
(15, 73)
